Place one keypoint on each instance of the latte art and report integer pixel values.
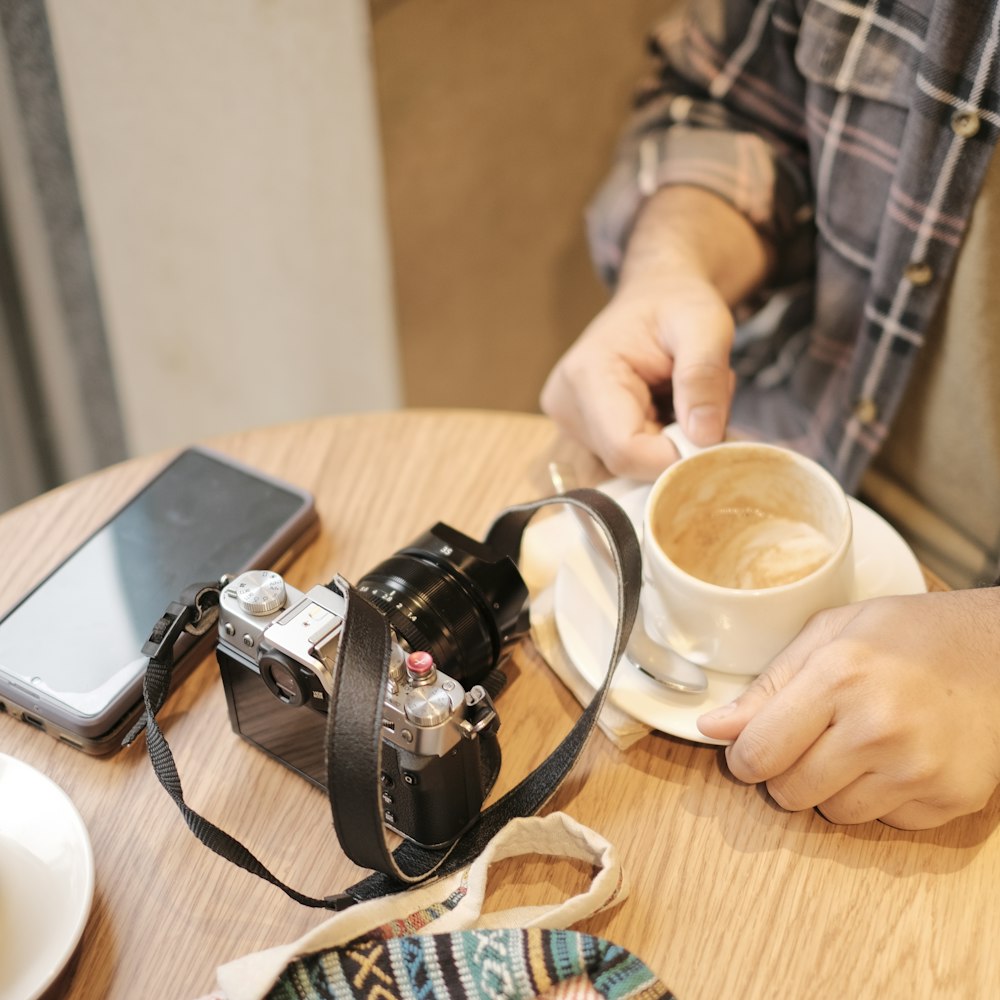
(762, 552)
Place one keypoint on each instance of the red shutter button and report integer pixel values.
(420, 667)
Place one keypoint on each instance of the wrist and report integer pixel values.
(686, 233)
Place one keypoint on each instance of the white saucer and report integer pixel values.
(46, 880)
(585, 612)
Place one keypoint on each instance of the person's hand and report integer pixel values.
(665, 336)
(886, 709)
(655, 336)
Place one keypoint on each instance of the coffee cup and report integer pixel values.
(742, 543)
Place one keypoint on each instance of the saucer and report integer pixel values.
(585, 616)
(46, 880)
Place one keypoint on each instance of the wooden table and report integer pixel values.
(731, 897)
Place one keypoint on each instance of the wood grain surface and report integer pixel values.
(730, 895)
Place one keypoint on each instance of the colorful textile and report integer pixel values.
(373, 950)
(472, 965)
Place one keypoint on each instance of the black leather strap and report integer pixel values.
(351, 723)
(353, 731)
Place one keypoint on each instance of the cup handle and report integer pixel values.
(684, 445)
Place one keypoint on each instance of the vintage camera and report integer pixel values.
(453, 604)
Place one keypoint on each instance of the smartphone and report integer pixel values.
(70, 650)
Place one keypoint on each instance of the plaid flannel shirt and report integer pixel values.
(854, 134)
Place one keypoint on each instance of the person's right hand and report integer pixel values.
(660, 349)
(656, 338)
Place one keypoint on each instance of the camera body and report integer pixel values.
(277, 652)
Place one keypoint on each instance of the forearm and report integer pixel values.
(697, 126)
(683, 229)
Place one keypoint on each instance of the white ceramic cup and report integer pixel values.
(742, 543)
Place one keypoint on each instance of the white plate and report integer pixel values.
(585, 612)
(46, 880)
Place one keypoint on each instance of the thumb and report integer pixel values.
(728, 721)
(702, 379)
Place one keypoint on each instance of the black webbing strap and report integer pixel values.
(353, 730)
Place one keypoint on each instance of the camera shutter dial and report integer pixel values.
(259, 592)
(427, 706)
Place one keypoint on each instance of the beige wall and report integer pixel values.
(497, 124)
(229, 170)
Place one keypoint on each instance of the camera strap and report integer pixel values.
(353, 729)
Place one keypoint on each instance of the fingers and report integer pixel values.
(701, 399)
(703, 382)
(643, 456)
(610, 410)
(873, 796)
(921, 816)
(884, 797)
(783, 727)
(625, 430)
(649, 336)
(602, 391)
(831, 776)
(730, 721)
(862, 729)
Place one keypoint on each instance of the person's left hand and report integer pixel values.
(885, 709)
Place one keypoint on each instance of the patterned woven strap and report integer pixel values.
(473, 965)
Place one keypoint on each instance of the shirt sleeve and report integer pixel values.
(724, 110)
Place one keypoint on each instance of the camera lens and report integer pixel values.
(451, 596)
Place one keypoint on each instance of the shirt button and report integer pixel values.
(919, 274)
(965, 123)
(866, 411)
(680, 108)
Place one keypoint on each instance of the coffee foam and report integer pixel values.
(762, 551)
(746, 521)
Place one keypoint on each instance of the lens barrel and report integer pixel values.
(452, 596)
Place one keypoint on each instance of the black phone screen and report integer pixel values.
(75, 641)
